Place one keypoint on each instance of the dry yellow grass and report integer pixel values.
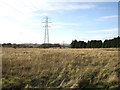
(60, 68)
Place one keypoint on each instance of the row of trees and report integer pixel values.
(31, 45)
(49, 45)
(17, 45)
(112, 43)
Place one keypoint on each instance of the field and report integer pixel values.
(60, 68)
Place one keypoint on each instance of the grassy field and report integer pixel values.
(60, 68)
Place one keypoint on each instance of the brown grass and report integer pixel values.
(60, 68)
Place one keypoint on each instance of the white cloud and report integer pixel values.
(107, 17)
(41, 14)
(55, 6)
(66, 24)
(57, 25)
(99, 37)
(102, 34)
(24, 10)
(14, 33)
(103, 31)
(28, 6)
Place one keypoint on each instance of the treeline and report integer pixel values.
(17, 45)
(31, 45)
(111, 43)
(49, 45)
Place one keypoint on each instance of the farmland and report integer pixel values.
(60, 68)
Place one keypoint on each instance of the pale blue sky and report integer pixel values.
(21, 21)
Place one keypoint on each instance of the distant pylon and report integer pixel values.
(46, 37)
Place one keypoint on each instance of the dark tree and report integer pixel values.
(112, 43)
(94, 44)
(74, 44)
(82, 44)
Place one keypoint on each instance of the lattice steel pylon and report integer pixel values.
(46, 37)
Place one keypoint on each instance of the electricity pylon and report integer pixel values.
(46, 26)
